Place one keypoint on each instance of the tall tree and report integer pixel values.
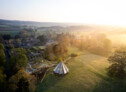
(23, 85)
(17, 60)
(3, 82)
(2, 55)
(118, 64)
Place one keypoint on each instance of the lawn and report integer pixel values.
(88, 73)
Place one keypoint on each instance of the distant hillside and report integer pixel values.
(16, 25)
(31, 23)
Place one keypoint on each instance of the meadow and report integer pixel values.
(88, 73)
(12, 33)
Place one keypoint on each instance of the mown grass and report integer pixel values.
(75, 51)
(87, 74)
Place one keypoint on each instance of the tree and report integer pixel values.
(96, 43)
(17, 36)
(17, 61)
(118, 61)
(7, 37)
(22, 82)
(60, 49)
(21, 61)
(24, 33)
(1, 39)
(1, 46)
(42, 38)
(2, 81)
(23, 85)
(2, 55)
(19, 50)
(63, 38)
(49, 52)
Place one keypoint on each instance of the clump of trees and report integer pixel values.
(74, 55)
(54, 51)
(13, 77)
(42, 38)
(2, 56)
(24, 33)
(17, 61)
(7, 36)
(21, 82)
(118, 64)
(96, 43)
(1, 39)
(3, 81)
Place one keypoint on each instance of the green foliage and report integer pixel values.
(1, 39)
(21, 61)
(24, 33)
(11, 32)
(10, 46)
(59, 59)
(2, 66)
(3, 82)
(60, 49)
(1, 46)
(17, 60)
(22, 82)
(42, 38)
(2, 58)
(118, 60)
(53, 51)
(51, 56)
(35, 60)
(74, 55)
(116, 70)
(2, 55)
(18, 50)
(23, 85)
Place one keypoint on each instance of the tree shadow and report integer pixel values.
(108, 84)
(48, 83)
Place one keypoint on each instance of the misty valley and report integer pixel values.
(61, 57)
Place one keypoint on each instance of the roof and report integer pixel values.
(61, 68)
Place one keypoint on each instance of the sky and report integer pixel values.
(110, 12)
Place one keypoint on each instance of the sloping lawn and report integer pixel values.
(88, 73)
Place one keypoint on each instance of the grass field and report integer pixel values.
(12, 33)
(88, 73)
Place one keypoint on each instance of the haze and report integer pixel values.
(109, 12)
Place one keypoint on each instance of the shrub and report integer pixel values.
(74, 55)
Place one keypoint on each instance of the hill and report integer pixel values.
(32, 23)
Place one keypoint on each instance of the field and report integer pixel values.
(88, 73)
(9, 29)
(12, 33)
